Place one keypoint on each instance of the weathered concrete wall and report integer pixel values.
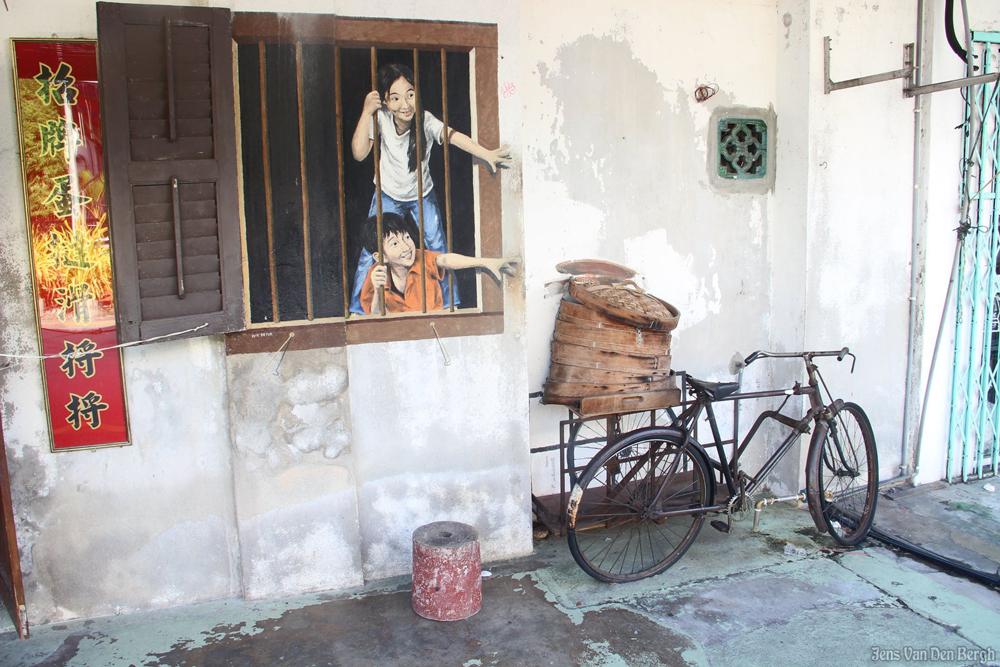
(293, 472)
(439, 443)
(616, 166)
(244, 483)
(860, 204)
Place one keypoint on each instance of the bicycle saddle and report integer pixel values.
(716, 391)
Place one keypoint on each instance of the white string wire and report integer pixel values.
(80, 353)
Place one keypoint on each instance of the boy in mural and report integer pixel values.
(401, 271)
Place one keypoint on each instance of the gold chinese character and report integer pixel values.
(74, 298)
(62, 199)
(70, 250)
(85, 408)
(56, 86)
(54, 135)
(82, 356)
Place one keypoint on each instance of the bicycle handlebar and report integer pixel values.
(762, 354)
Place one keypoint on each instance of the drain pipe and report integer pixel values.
(917, 260)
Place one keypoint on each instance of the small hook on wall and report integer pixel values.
(447, 359)
(281, 350)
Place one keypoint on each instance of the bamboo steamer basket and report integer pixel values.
(611, 345)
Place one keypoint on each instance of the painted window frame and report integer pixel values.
(348, 32)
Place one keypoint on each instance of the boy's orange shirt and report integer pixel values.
(411, 300)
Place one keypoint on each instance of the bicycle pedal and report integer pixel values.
(720, 526)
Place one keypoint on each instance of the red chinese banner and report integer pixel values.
(59, 126)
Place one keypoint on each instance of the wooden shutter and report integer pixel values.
(166, 77)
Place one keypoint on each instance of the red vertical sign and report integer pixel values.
(59, 127)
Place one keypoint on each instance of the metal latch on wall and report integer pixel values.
(910, 89)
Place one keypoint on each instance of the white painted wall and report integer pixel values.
(860, 210)
(615, 167)
(821, 263)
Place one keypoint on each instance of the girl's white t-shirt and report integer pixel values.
(394, 166)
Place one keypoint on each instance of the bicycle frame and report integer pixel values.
(729, 469)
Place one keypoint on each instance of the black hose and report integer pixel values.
(953, 565)
(949, 29)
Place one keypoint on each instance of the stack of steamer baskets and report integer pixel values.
(611, 345)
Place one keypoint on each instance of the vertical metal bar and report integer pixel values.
(954, 436)
(969, 376)
(340, 181)
(563, 467)
(178, 241)
(378, 177)
(988, 215)
(447, 169)
(305, 182)
(418, 127)
(995, 224)
(988, 264)
(268, 197)
(171, 96)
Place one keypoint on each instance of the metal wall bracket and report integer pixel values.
(910, 89)
(830, 85)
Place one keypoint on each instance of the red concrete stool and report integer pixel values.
(447, 574)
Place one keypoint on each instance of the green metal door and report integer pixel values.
(974, 442)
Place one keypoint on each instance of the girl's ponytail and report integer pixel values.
(388, 75)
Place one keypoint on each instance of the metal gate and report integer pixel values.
(974, 442)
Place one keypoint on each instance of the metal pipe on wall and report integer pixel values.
(916, 258)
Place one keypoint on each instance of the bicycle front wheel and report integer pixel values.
(842, 474)
(638, 512)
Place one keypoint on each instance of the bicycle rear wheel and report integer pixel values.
(621, 533)
(587, 437)
(842, 474)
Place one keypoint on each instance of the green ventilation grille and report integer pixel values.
(742, 148)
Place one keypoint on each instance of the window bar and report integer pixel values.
(171, 96)
(178, 241)
(340, 177)
(418, 127)
(447, 169)
(275, 315)
(305, 185)
(378, 181)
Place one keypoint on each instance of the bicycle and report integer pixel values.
(641, 501)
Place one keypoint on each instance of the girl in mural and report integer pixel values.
(395, 104)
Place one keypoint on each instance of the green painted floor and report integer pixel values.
(784, 596)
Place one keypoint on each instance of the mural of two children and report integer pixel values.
(394, 106)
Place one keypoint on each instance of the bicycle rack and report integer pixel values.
(550, 510)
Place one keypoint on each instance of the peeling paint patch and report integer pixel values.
(696, 294)
(602, 160)
(280, 420)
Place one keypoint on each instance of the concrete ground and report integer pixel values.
(783, 596)
(958, 521)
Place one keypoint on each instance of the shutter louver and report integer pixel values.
(167, 101)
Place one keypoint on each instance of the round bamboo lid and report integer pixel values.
(625, 301)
